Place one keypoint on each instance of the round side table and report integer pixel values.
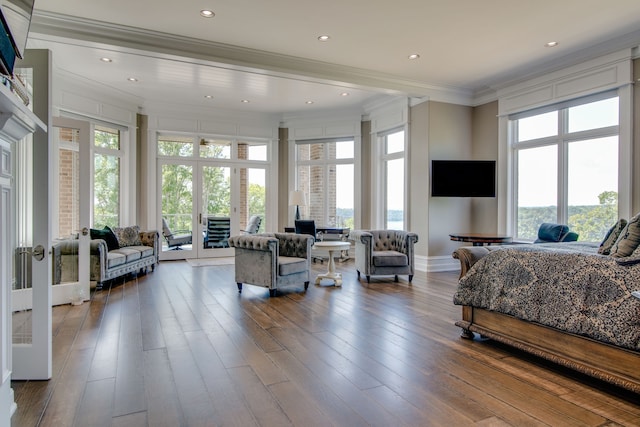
(331, 246)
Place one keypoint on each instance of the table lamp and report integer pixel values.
(297, 199)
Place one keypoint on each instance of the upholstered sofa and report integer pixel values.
(384, 252)
(132, 251)
(272, 260)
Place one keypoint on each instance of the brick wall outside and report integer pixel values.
(68, 202)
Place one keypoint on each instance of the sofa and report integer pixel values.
(567, 302)
(384, 252)
(113, 253)
(272, 260)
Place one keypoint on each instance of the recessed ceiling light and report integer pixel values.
(344, 94)
(551, 44)
(132, 79)
(209, 96)
(309, 102)
(244, 101)
(324, 38)
(206, 13)
(414, 56)
(105, 59)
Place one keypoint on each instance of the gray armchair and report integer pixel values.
(384, 252)
(272, 260)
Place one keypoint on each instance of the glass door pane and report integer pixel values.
(176, 186)
(253, 196)
(215, 210)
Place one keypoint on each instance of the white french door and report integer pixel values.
(211, 200)
(37, 204)
(72, 218)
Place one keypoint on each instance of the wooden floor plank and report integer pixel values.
(181, 347)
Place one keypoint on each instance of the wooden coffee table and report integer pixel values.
(479, 239)
(331, 246)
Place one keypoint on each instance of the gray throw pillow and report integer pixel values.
(628, 240)
(611, 237)
(128, 236)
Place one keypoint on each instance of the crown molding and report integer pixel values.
(70, 29)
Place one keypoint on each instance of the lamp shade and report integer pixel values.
(297, 198)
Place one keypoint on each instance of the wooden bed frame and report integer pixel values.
(612, 364)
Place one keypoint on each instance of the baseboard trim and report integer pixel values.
(436, 263)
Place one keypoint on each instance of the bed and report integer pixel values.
(560, 301)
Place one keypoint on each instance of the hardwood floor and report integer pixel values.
(181, 347)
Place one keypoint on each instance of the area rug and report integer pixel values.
(205, 262)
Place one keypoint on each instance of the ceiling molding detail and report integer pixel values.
(102, 34)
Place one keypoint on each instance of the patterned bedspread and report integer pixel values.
(566, 286)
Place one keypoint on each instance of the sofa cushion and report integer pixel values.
(291, 265)
(389, 259)
(145, 251)
(107, 235)
(128, 236)
(611, 237)
(628, 240)
(115, 259)
(130, 254)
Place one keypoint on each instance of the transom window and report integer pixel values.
(566, 166)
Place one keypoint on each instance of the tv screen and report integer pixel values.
(463, 178)
(17, 17)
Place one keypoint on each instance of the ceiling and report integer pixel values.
(268, 52)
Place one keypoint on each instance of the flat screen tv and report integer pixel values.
(15, 20)
(463, 178)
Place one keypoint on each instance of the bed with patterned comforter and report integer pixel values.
(561, 301)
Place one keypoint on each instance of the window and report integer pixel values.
(566, 167)
(325, 172)
(393, 176)
(106, 185)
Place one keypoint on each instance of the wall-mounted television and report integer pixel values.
(15, 20)
(463, 178)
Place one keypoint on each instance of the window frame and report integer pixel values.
(381, 220)
(562, 140)
(326, 163)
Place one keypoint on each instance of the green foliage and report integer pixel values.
(590, 222)
(106, 191)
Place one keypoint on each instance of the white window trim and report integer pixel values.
(609, 72)
(378, 220)
(561, 140)
(326, 163)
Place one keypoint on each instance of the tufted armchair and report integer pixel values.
(272, 259)
(384, 252)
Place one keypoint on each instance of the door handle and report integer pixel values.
(38, 253)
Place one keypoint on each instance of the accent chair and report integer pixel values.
(272, 260)
(384, 253)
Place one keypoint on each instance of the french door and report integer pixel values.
(208, 200)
